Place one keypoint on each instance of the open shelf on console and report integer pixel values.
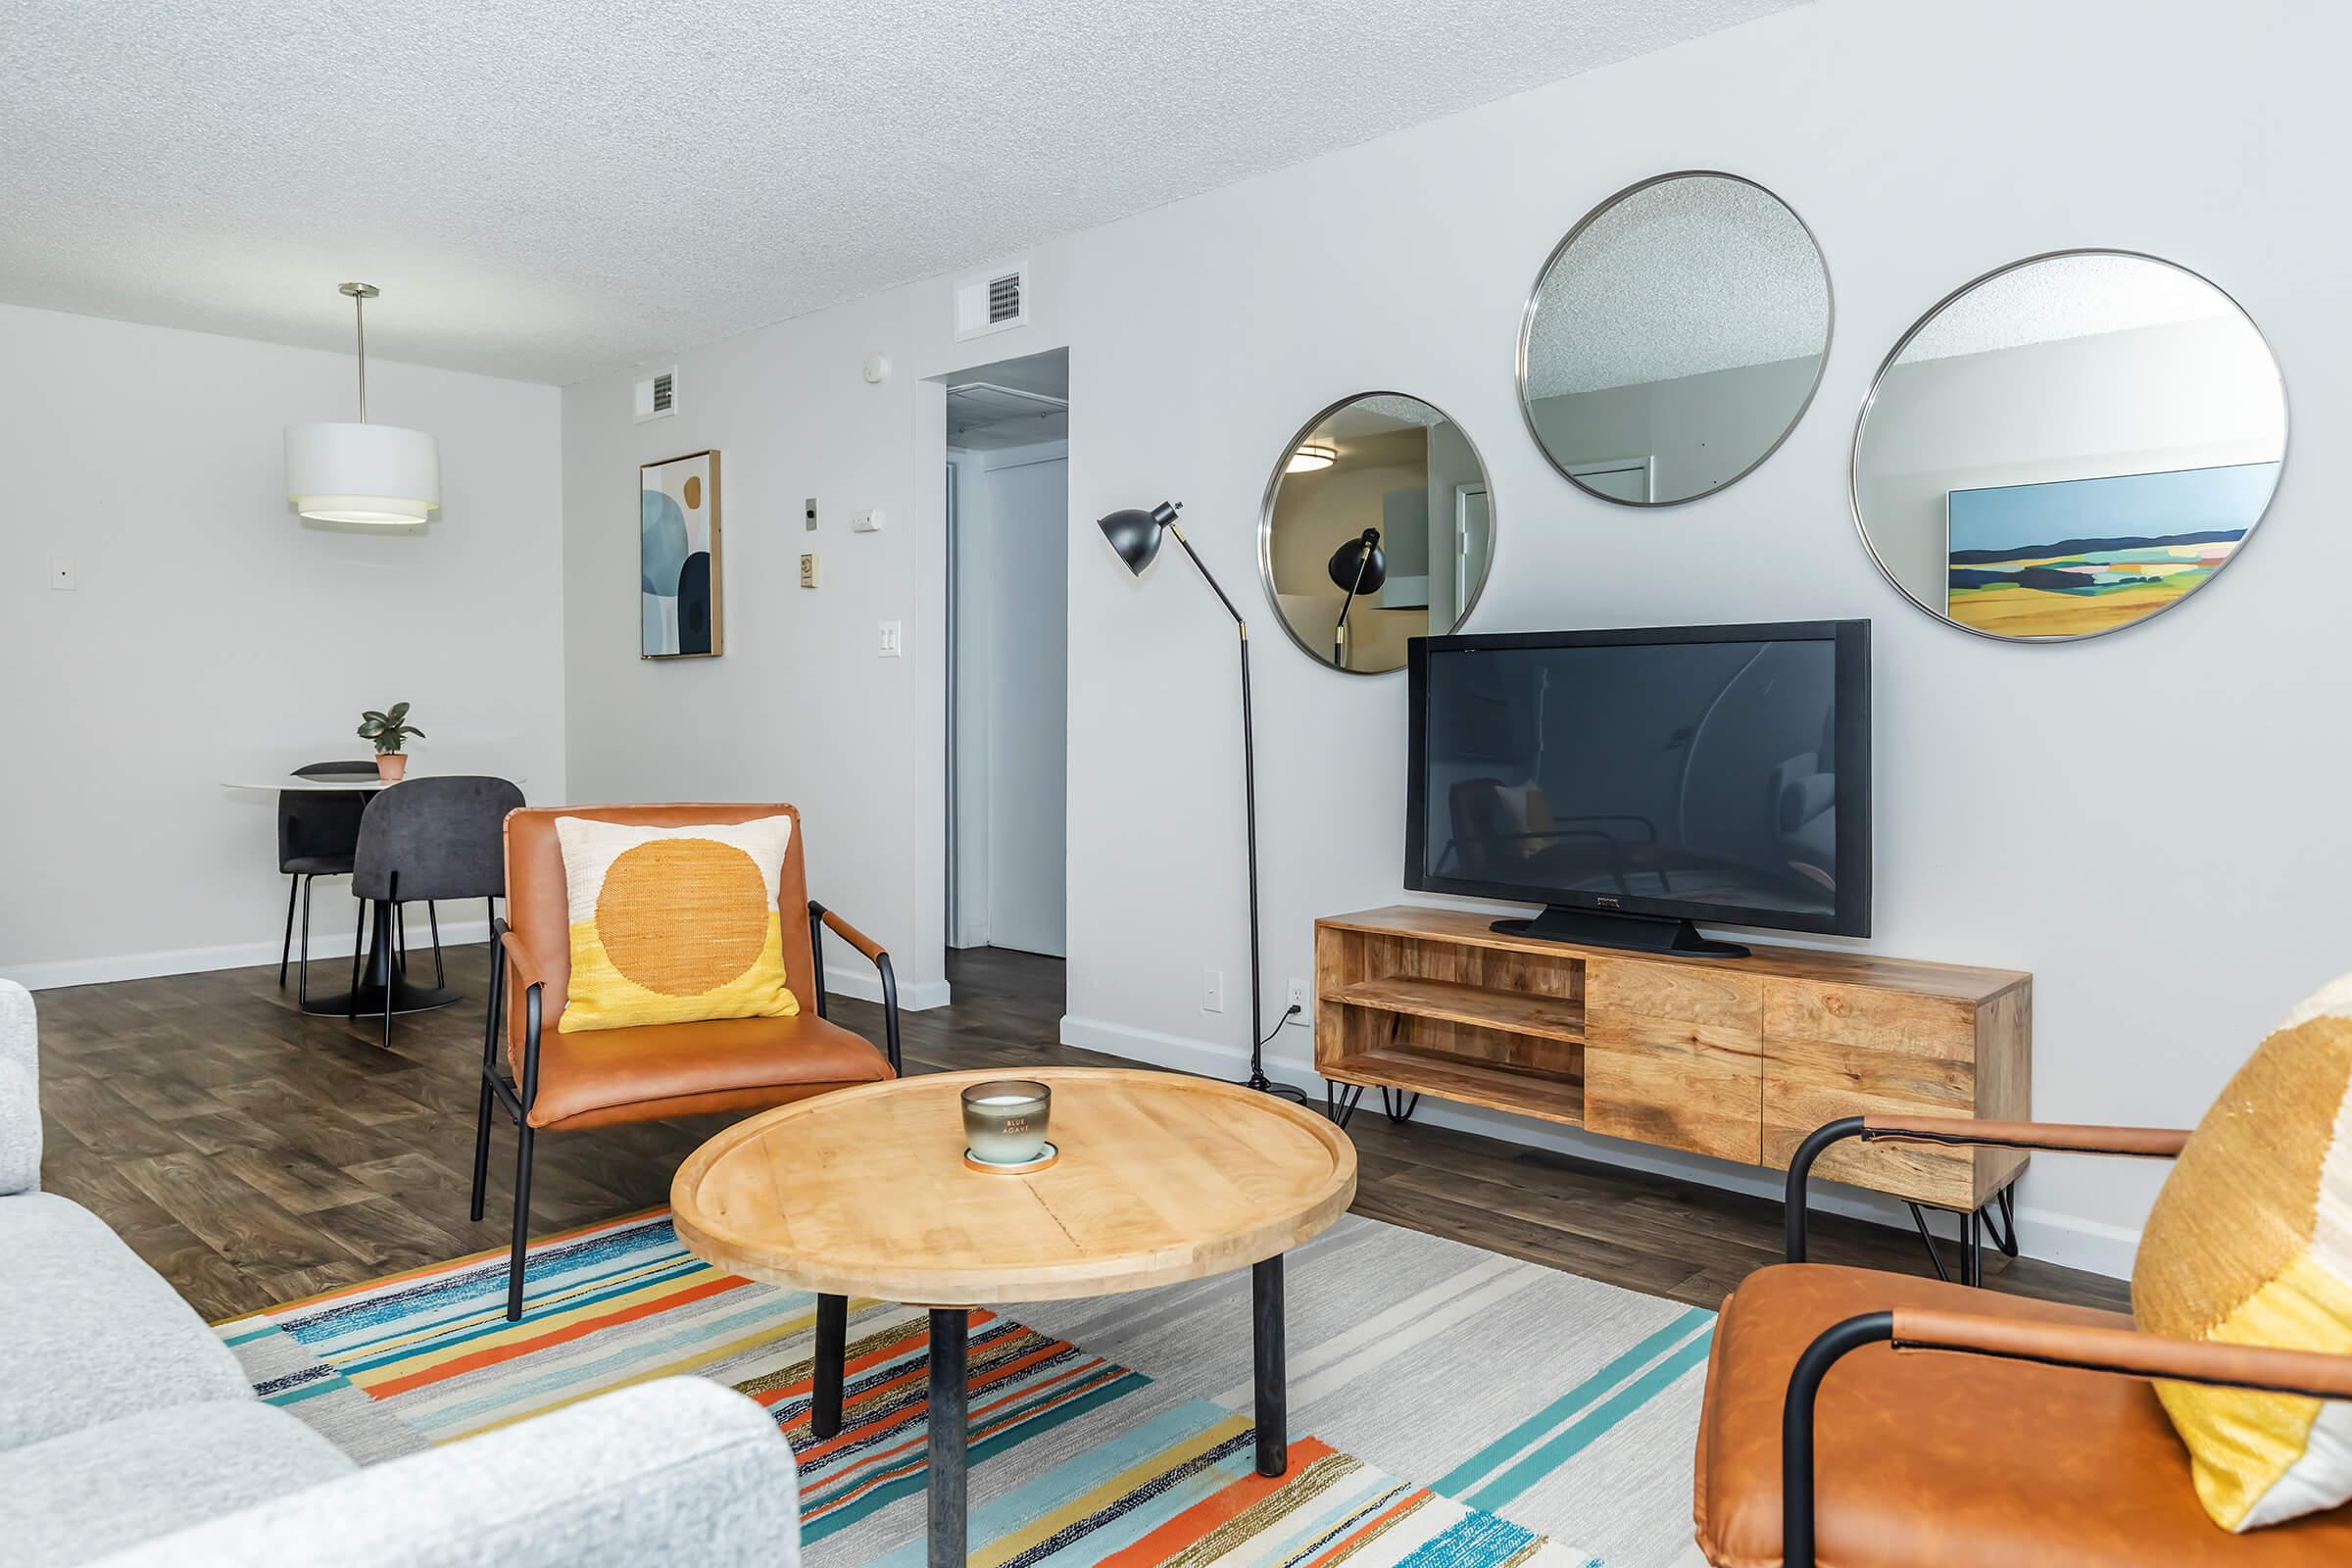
(1497, 1086)
(1518, 1012)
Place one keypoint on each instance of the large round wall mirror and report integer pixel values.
(2067, 446)
(1674, 338)
(1377, 527)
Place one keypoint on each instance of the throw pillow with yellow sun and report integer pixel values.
(674, 924)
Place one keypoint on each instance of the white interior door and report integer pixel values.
(1026, 532)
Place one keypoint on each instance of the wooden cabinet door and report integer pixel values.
(1673, 1056)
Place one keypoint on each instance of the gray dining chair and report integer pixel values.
(318, 833)
(428, 839)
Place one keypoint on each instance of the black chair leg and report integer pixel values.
(359, 949)
(286, 947)
(302, 976)
(394, 973)
(433, 915)
(494, 990)
(523, 1220)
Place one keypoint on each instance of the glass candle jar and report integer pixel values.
(1005, 1120)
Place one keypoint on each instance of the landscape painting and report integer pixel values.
(677, 557)
(2074, 556)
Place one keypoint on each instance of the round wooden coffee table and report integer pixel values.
(1161, 1178)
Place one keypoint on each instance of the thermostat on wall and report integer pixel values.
(870, 520)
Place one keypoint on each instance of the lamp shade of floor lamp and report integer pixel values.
(1135, 535)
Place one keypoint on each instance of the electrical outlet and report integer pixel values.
(809, 570)
(890, 639)
(1297, 998)
(1212, 990)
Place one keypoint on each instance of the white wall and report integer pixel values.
(1923, 148)
(214, 634)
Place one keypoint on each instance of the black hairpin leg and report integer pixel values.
(1973, 1226)
(1340, 1099)
(1397, 1106)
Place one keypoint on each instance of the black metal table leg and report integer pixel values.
(832, 1345)
(1273, 1388)
(945, 1480)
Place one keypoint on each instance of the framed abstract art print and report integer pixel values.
(677, 558)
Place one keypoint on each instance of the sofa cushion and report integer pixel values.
(92, 1333)
(86, 1493)
(2250, 1243)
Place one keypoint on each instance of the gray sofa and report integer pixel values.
(130, 1434)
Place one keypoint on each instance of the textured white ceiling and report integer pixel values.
(1678, 278)
(549, 190)
(2064, 297)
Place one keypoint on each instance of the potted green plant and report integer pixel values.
(389, 732)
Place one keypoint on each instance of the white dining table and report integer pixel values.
(384, 983)
(333, 782)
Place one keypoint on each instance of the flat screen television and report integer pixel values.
(1635, 781)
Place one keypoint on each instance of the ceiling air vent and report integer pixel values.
(656, 395)
(993, 302)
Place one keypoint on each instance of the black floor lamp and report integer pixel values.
(1135, 535)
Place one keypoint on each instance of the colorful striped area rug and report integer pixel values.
(1449, 1407)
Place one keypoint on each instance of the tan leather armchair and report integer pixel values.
(556, 1082)
(1857, 1419)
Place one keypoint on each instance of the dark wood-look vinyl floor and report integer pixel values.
(254, 1154)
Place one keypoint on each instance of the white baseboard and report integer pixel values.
(330, 945)
(2058, 1237)
(325, 946)
(861, 982)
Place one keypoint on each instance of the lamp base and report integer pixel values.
(1265, 1085)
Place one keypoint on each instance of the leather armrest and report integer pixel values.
(850, 934)
(520, 967)
(2312, 1373)
(2154, 1142)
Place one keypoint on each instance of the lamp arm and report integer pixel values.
(1338, 631)
(1208, 578)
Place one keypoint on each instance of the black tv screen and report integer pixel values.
(1715, 773)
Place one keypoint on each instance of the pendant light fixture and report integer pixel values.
(370, 473)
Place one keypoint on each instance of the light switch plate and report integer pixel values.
(890, 639)
(809, 570)
(867, 521)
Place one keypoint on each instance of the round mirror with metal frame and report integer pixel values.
(2067, 446)
(1377, 527)
(1674, 338)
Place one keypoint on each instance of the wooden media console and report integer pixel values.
(1734, 1058)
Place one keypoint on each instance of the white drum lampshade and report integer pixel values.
(362, 472)
(371, 473)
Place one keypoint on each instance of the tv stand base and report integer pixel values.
(1633, 933)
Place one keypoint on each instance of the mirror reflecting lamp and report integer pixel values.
(363, 474)
(1387, 540)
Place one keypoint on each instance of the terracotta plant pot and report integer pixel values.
(391, 766)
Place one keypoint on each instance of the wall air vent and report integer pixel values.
(656, 395)
(992, 302)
